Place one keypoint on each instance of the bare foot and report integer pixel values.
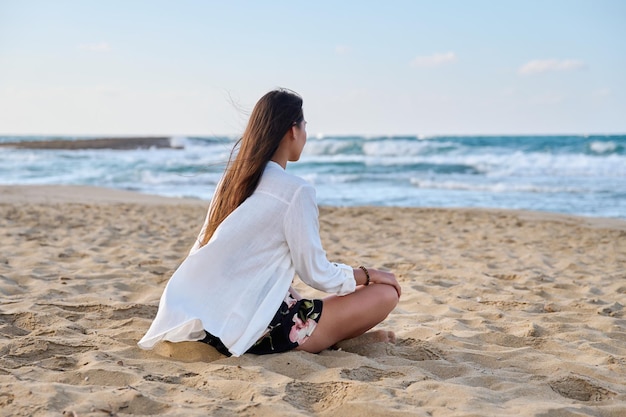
(375, 336)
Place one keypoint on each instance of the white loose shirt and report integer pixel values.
(233, 285)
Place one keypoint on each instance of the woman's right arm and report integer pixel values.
(305, 246)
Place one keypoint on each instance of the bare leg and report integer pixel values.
(352, 315)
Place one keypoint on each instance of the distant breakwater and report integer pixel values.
(129, 143)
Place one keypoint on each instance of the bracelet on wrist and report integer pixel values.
(367, 275)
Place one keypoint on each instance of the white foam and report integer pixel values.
(400, 147)
(178, 141)
(602, 147)
(355, 170)
(495, 187)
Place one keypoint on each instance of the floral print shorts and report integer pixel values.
(291, 326)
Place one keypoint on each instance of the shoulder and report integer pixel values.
(282, 184)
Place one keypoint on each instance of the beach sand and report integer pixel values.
(503, 313)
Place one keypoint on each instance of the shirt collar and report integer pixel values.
(274, 164)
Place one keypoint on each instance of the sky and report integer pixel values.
(151, 67)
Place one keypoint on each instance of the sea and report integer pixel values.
(572, 174)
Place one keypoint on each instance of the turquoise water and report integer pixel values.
(583, 175)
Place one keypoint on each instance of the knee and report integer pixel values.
(389, 297)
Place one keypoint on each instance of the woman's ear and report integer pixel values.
(294, 131)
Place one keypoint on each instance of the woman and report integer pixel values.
(233, 291)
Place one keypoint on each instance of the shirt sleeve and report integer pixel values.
(309, 259)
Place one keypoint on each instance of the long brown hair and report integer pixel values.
(272, 117)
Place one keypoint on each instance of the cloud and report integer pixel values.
(548, 98)
(342, 50)
(538, 66)
(508, 92)
(95, 47)
(601, 93)
(433, 60)
(103, 91)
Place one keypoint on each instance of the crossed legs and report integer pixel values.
(349, 316)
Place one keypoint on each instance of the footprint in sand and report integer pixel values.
(416, 350)
(614, 310)
(368, 374)
(169, 379)
(316, 397)
(25, 351)
(6, 398)
(120, 312)
(580, 389)
(410, 349)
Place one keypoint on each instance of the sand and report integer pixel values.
(503, 313)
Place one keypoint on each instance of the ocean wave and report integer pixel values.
(603, 147)
(497, 187)
(576, 174)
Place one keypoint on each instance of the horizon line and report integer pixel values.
(310, 135)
